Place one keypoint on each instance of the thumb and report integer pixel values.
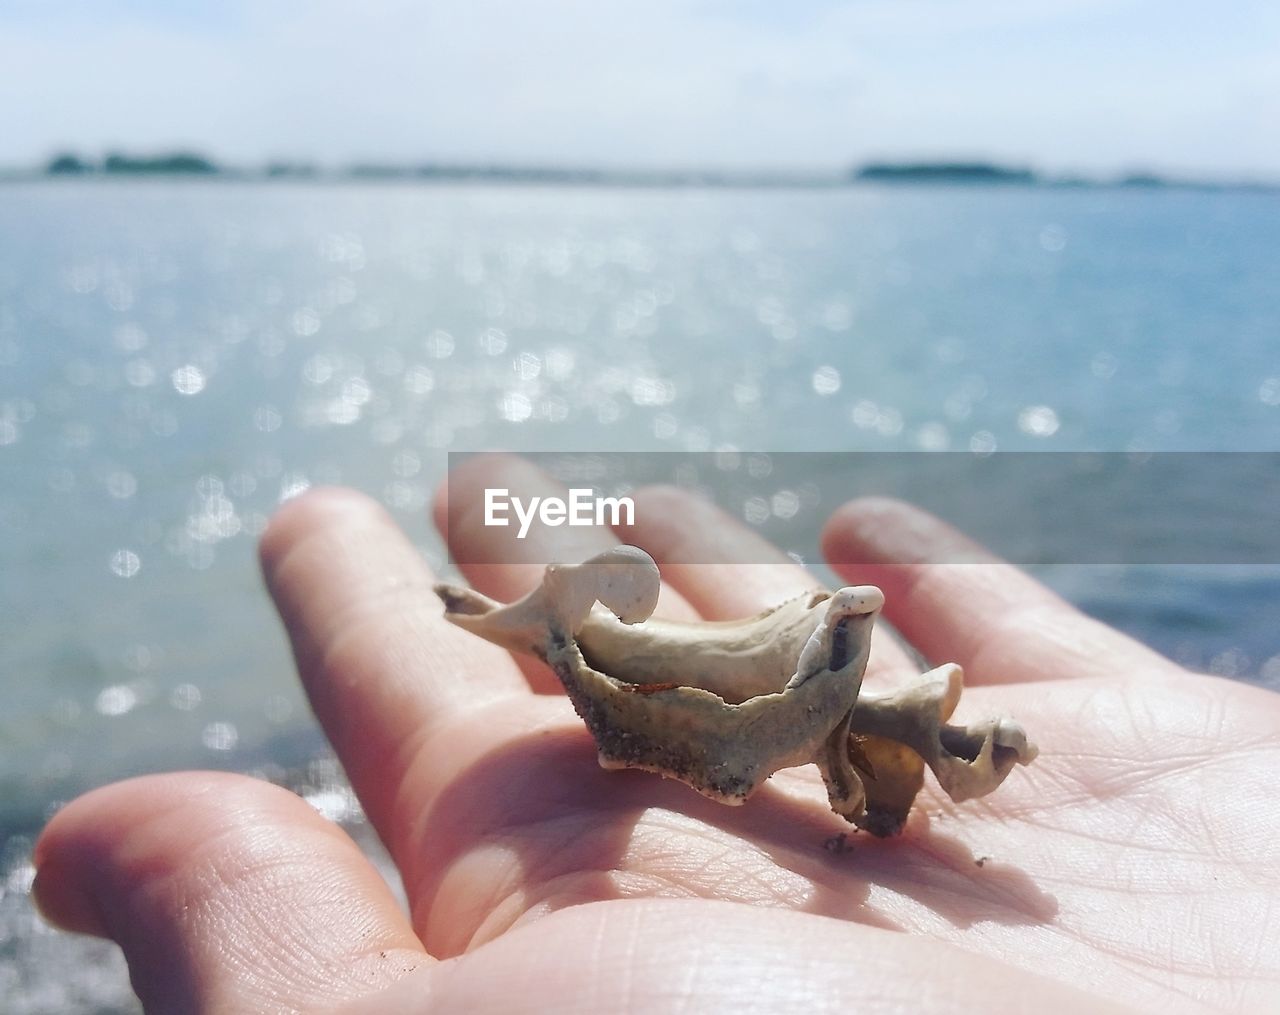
(225, 893)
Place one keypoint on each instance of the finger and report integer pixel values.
(497, 562)
(225, 894)
(995, 620)
(494, 558)
(725, 570)
(380, 665)
(720, 566)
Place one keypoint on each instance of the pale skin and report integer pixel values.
(1134, 865)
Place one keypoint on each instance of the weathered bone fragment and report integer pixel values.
(722, 706)
(906, 729)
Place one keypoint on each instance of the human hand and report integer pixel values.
(1136, 862)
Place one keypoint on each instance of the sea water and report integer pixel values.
(176, 358)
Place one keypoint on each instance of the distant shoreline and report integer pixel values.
(185, 165)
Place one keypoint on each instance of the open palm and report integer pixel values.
(1135, 863)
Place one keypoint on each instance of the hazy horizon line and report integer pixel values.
(190, 161)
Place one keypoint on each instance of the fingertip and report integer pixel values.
(468, 478)
(73, 852)
(310, 511)
(660, 500)
(840, 540)
(56, 894)
(503, 560)
(885, 532)
(680, 527)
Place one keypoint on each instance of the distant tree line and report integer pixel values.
(70, 164)
(186, 163)
(957, 172)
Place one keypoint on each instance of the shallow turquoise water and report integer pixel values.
(177, 357)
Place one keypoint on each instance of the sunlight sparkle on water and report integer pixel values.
(125, 563)
(826, 380)
(220, 736)
(115, 700)
(188, 380)
(1038, 421)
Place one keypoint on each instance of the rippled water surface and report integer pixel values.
(177, 358)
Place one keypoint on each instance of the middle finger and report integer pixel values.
(496, 561)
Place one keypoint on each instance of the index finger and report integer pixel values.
(380, 664)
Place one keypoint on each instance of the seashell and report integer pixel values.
(721, 706)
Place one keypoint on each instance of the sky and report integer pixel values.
(1094, 86)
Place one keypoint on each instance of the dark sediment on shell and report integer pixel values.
(635, 748)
